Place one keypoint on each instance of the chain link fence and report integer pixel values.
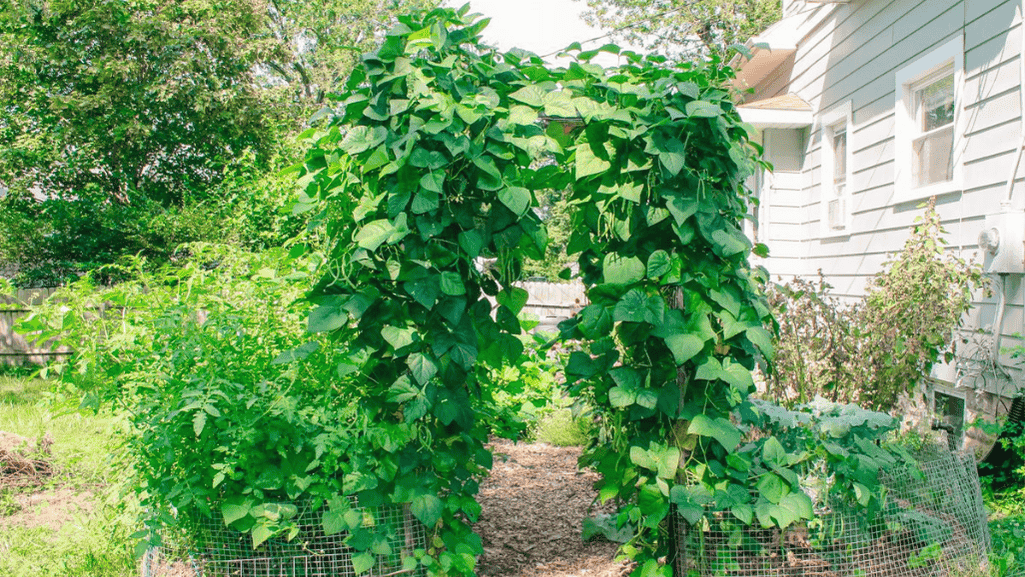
(934, 524)
(213, 550)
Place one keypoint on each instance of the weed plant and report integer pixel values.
(562, 428)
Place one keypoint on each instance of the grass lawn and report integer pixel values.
(71, 524)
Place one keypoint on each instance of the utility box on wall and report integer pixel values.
(1003, 242)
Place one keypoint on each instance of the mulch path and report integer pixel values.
(533, 505)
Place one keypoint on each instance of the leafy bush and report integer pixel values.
(235, 412)
(56, 239)
(868, 352)
(816, 345)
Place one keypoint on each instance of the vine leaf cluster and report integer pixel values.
(431, 162)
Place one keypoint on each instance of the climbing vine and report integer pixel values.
(430, 164)
(425, 169)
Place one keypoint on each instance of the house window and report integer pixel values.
(836, 177)
(932, 149)
(928, 91)
(949, 412)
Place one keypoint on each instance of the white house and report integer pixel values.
(867, 108)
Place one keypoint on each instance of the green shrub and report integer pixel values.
(234, 410)
(869, 351)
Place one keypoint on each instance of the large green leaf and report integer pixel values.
(558, 104)
(684, 346)
(772, 487)
(490, 178)
(522, 115)
(363, 562)
(773, 452)
(374, 234)
(703, 109)
(686, 506)
(719, 428)
(531, 95)
(587, 163)
(398, 337)
(422, 368)
(362, 138)
(631, 307)
(659, 264)
(427, 509)
(513, 298)
(622, 270)
(424, 201)
(452, 284)
(327, 317)
(515, 198)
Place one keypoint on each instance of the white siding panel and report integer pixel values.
(991, 51)
(1001, 138)
(975, 9)
(992, 112)
(992, 82)
(880, 70)
(873, 156)
(988, 171)
(923, 16)
(873, 177)
(787, 214)
(869, 133)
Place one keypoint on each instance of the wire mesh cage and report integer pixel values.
(213, 550)
(934, 524)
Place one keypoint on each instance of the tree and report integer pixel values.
(677, 27)
(322, 41)
(108, 100)
(124, 123)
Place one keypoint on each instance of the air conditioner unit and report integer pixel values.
(1003, 242)
(837, 211)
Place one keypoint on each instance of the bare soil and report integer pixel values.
(533, 504)
(51, 509)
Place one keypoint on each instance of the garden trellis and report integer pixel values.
(430, 162)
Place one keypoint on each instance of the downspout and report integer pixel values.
(998, 324)
(1021, 103)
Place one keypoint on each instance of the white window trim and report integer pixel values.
(841, 114)
(904, 131)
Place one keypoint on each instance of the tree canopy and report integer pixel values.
(110, 99)
(129, 126)
(683, 26)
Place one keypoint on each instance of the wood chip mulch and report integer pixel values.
(534, 503)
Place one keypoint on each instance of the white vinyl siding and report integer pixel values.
(856, 56)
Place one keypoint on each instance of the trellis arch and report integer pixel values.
(429, 162)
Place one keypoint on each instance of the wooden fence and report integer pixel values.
(14, 348)
(552, 303)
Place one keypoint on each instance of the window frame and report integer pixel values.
(913, 77)
(831, 122)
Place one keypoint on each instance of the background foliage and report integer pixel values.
(128, 127)
(687, 27)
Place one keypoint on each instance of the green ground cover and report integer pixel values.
(74, 524)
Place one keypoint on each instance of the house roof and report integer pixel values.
(786, 111)
(773, 47)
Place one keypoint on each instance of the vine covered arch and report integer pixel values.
(430, 161)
